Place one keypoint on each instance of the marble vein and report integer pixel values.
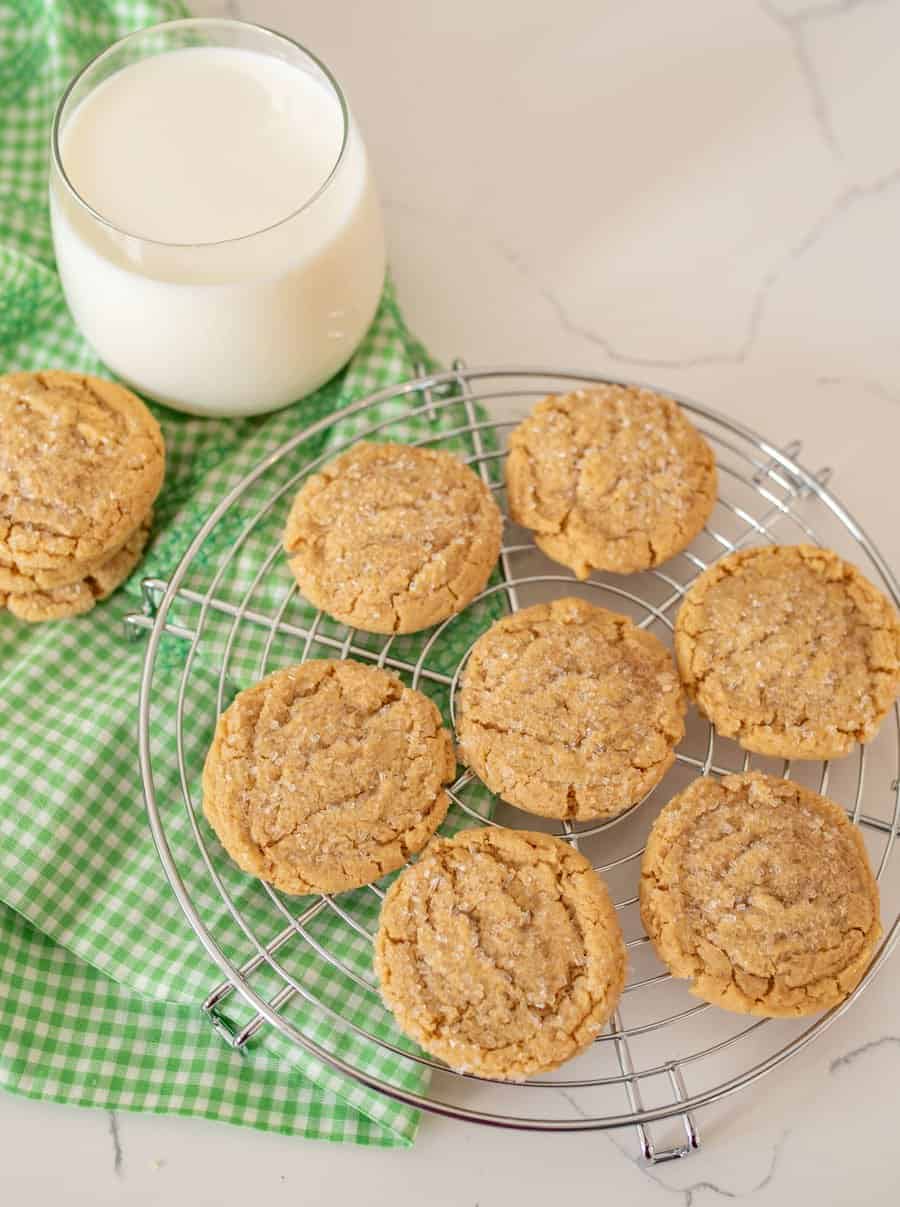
(844, 201)
(848, 1058)
(688, 1193)
(572, 1103)
(118, 1156)
(831, 8)
(862, 383)
(795, 27)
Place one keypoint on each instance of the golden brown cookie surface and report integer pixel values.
(568, 710)
(81, 462)
(327, 775)
(500, 952)
(759, 891)
(790, 651)
(610, 478)
(74, 599)
(392, 539)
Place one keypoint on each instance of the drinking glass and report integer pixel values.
(233, 326)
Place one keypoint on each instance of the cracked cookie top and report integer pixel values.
(570, 711)
(327, 775)
(610, 478)
(81, 461)
(500, 952)
(790, 651)
(392, 539)
(759, 891)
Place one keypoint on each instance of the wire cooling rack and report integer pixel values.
(230, 613)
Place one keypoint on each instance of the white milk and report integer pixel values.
(192, 153)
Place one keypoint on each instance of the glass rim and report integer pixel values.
(184, 23)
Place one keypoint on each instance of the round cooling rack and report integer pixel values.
(231, 613)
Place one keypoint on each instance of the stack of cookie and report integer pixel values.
(81, 463)
(499, 951)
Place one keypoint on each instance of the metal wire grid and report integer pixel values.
(750, 469)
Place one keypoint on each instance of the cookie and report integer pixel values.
(790, 651)
(59, 603)
(81, 462)
(759, 892)
(392, 539)
(610, 478)
(38, 579)
(570, 711)
(327, 775)
(500, 952)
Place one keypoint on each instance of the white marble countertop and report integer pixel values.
(703, 195)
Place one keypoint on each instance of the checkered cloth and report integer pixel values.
(100, 975)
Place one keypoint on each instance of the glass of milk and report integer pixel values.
(216, 227)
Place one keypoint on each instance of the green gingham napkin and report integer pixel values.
(100, 975)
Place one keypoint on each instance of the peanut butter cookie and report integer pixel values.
(500, 952)
(790, 651)
(39, 579)
(392, 539)
(81, 462)
(59, 603)
(568, 710)
(759, 891)
(327, 775)
(610, 478)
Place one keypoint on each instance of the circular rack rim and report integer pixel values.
(462, 378)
